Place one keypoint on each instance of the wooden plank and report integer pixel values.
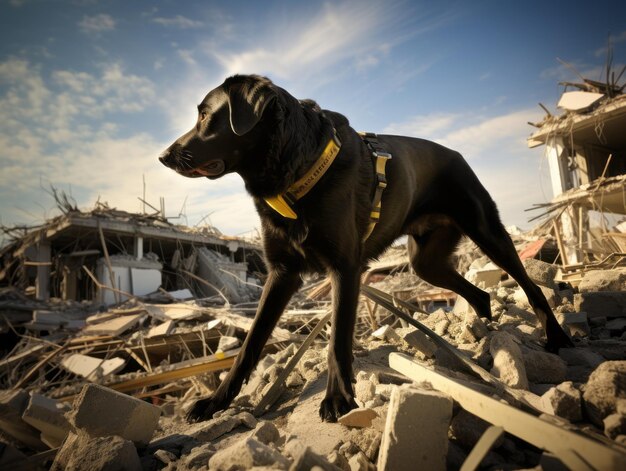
(482, 447)
(576, 451)
(35, 368)
(276, 388)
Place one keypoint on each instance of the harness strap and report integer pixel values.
(380, 157)
(282, 203)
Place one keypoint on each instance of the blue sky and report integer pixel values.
(92, 91)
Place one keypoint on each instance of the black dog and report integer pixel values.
(252, 127)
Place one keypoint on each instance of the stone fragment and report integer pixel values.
(214, 428)
(100, 411)
(603, 280)
(80, 452)
(441, 327)
(606, 385)
(305, 459)
(44, 414)
(198, 457)
(364, 391)
(420, 341)
(266, 432)
(416, 430)
(165, 456)
(359, 462)
(247, 419)
(564, 401)
(540, 272)
(485, 277)
(246, 454)
(544, 367)
(386, 333)
(508, 361)
(337, 459)
(368, 440)
(13, 403)
(614, 425)
(360, 418)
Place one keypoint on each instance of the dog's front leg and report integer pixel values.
(277, 291)
(339, 393)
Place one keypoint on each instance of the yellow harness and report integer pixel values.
(283, 202)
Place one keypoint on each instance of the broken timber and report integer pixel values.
(576, 451)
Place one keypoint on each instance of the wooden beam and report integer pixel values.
(277, 388)
(577, 451)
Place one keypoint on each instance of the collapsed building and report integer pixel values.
(112, 311)
(586, 152)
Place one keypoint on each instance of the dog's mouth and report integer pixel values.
(211, 169)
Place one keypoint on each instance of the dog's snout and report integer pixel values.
(168, 157)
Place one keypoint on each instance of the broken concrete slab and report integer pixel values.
(386, 333)
(45, 415)
(544, 367)
(508, 361)
(113, 327)
(421, 342)
(606, 385)
(160, 330)
(360, 418)
(416, 430)
(266, 432)
(132, 419)
(90, 367)
(247, 454)
(305, 459)
(576, 324)
(81, 452)
(563, 400)
(13, 403)
(228, 343)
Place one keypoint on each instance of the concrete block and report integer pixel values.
(508, 361)
(416, 430)
(540, 272)
(80, 452)
(90, 367)
(484, 277)
(581, 356)
(360, 418)
(564, 401)
(359, 462)
(212, 429)
(420, 341)
(606, 385)
(544, 367)
(160, 330)
(45, 415)
(266, 432)
(614, 425)
(100, 411)
(245, 454)
(601, 303)
(13, 403)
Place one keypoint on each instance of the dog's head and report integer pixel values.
(223, 131)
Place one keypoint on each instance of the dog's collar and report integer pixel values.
(380, 157)
(282, 203)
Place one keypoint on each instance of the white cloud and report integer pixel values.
(97, 24)
(178, 21)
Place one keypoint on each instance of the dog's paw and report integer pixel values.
(558, 339)
(333, 407)
(204, 409)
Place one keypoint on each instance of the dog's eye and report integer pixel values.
(203, 115)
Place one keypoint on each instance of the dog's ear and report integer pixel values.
(247, 101)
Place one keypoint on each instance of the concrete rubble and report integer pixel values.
(106, 384)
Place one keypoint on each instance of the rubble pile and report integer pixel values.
(86, 385)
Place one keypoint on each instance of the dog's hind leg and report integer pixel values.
(278, 289)
(482, 224)
(429, 254)
(339, 397)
